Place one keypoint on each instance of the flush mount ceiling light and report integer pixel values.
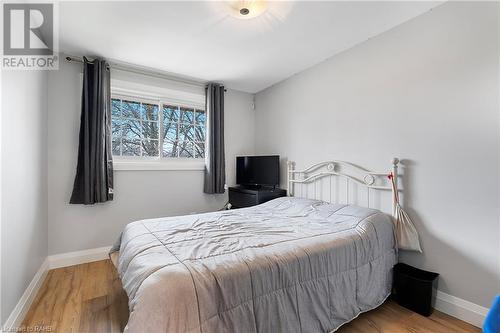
(247, 9)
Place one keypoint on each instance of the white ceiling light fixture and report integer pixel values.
(236, 46)
(247, 9)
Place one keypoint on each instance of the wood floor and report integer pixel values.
(90, 298)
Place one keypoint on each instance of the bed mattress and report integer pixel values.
(288, 265)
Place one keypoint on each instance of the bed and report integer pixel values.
(293, 264)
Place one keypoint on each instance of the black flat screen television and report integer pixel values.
(258, 170)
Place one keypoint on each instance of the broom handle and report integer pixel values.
(393, 176)
(395, 194)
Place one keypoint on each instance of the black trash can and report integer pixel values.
(415, 289)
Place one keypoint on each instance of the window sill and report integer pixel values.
(183, 165)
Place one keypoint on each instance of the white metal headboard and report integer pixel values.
(353, 175)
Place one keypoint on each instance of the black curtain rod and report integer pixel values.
(70, 59)
(73, 59)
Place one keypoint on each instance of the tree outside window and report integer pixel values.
(139, 129)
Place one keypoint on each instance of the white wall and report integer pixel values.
(426, 92)
(138, 194)
(24, 182)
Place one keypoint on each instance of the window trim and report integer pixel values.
(149, 98)
(167, 164)
(145, 163)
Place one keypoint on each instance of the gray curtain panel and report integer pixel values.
(94, 172)
(215, 168)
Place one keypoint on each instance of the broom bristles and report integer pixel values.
(406, 232)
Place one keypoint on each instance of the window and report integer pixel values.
(156, 130)
(183, 132)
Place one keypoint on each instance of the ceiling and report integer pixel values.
(202, 40)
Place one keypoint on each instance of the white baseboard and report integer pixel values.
(459, 308)
(17, 315)
(54, 261)
(78, 257)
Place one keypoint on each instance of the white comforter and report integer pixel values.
(289, 265)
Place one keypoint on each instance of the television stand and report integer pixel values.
(251, 187)
(244, 196)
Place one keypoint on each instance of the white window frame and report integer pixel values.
(138, 163)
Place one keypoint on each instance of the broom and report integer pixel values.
(406, 233)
